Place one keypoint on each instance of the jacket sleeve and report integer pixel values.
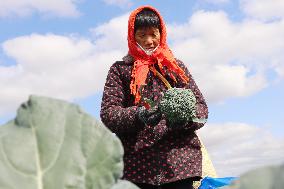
(114, 114)
(201, 106)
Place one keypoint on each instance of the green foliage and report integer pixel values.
(268, 177)
(52, 144)
(123, 184)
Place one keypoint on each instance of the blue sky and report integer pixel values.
(234, 49)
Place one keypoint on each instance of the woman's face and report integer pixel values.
(148, 38)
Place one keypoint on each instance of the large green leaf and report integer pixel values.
(53, 144)
(123, 184)
(268, 177)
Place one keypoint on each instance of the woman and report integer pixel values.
(157, 154)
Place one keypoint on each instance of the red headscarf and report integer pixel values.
(162, 56)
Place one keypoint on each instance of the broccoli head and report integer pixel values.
(178, 105)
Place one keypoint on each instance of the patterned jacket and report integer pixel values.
(153, 154)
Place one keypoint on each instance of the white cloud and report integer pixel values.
(120, 3)
(65, 67)
(62, 8)
(237, 147)
(263, 9)
(228, 59)
(279, 67)
(112, 35)
(54, 66)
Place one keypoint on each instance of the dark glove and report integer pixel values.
(151, 116)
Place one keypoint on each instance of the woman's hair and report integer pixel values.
(145, 19)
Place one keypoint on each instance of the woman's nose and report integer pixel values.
(148, 40)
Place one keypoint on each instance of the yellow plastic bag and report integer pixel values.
(207, 166)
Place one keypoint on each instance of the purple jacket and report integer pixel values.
(153, 154)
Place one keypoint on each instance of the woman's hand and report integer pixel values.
(150, 116)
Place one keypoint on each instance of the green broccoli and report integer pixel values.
(178, 105)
